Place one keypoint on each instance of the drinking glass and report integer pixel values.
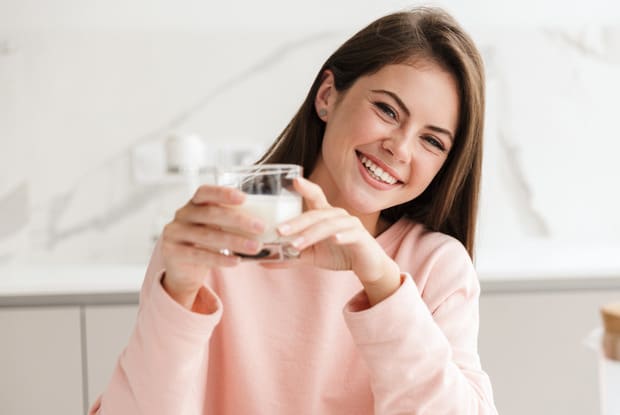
(270, 196)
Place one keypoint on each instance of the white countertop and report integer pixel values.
(70, 279)
(544, 265)
(536, 266)
(30, 285)
(541, 259)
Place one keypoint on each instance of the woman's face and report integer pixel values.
(386, 137)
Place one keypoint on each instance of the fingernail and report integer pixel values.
(258, 226)
(237, 196)
(251, 245)
(298, 243)
(284, 229)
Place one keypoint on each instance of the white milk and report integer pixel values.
(273, 210)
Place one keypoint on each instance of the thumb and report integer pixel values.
(312, 193)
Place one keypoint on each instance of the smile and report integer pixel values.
(377, 172)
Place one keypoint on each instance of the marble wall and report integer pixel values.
(82, 98)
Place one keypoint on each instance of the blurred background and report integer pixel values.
(90, 91)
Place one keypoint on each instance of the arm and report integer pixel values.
(164, 366)
(425, 360)
(163, 369)
(420, 361)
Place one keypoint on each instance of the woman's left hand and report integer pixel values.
(331, 238)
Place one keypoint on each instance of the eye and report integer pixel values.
(434, 142)
(387, 110)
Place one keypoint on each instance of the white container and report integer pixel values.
(606, 342)
(609, 376)
(610, 360)
(185, 153)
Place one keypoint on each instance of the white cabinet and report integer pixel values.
(56, 360)
(531, 345)
(40, 361)
(107, 331)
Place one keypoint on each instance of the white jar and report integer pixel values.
(610, 360)
(185, 153)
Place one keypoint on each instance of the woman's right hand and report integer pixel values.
(193, 241)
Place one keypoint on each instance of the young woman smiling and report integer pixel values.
(380, 313)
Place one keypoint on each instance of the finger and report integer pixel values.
(220, 216)
(309, 218)
(198, 256)
(326, 229)
(210, 238)
(348, 236)
(312, 193)
(218, 194)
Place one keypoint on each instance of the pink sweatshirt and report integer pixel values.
(305, 341)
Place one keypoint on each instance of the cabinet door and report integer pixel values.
(40, 361)
(532, 347)
(107, 332)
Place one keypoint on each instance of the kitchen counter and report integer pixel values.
(531, 267)
(548, 265)
(70, 284)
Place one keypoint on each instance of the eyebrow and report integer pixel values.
(406, 110)
(441, 131)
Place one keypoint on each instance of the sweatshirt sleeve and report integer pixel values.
(422, 350)
(163, 368)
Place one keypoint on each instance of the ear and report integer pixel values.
(325, 96)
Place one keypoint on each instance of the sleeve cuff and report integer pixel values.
(385, 321)
(177, 317)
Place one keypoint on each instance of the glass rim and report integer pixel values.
(260, 168)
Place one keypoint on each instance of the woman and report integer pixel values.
(390, 137)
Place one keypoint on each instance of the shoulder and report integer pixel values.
(425, 242)
(438, 263)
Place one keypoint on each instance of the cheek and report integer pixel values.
(333, 150)
(370, 127)
(332, 145)
(341, 137)
(432, 168)
(361, 126)
(425, 171)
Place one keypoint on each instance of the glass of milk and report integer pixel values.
(270, 196)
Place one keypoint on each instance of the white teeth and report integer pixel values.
(377, 172)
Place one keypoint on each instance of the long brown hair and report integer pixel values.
(450, 203)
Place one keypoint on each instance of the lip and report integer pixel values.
(372, 181)
(382, 166)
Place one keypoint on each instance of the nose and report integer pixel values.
(399, 148)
